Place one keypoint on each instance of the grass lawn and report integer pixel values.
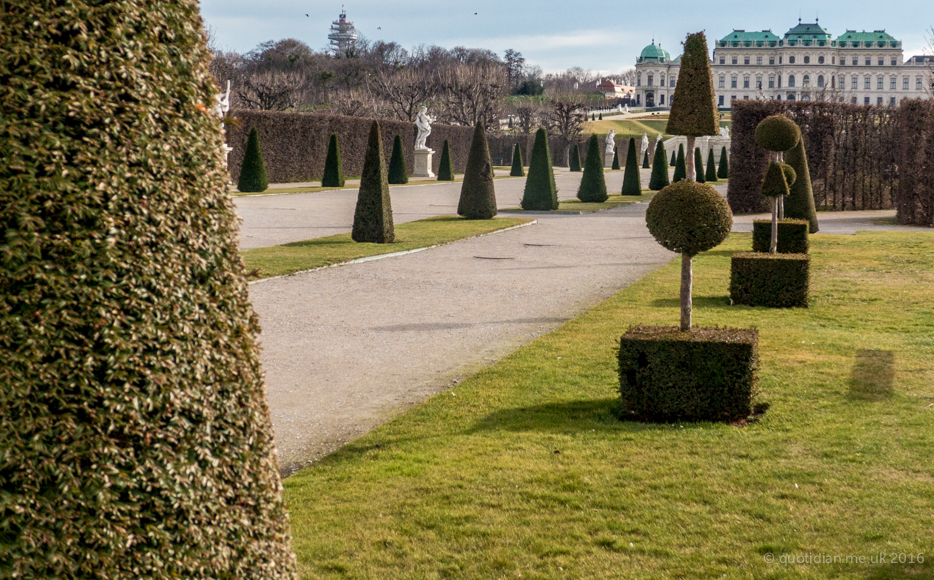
(652, 125)
(522, 471)
(308, 254)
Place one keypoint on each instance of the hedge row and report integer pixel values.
(772, 280)
(915, 201)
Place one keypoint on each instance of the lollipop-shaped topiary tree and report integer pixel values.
(777, 133)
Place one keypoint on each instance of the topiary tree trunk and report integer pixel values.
(615, 158)
(723, 169)
(252, 171)
(632, 181)
(680, 168)
(800, 203)
(699, 164)
(333, 169)
(711, 167)
(693, 110)
(398, 174)
(478, 196)
(135, 438)
(372, 220)
(659, 178)
(575, 162)
(540, 193)
(517, 170)
(445, 168)
(593, 184)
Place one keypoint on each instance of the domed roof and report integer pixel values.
(654, 52)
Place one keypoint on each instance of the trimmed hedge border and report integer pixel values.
(792, 236)
(706, 374)
(773, 280)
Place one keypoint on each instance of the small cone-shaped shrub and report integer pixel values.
(699, 165)
(659, 177)
(800, 201)
(632, 182)
(333, 169)
(593, 117)
(593, 184)
(446, 168)
(575, 163)
(540, 193)
(615, 158)
(723, 169)
(517, 170)
(252, 171)
(478, 197)
(135, 438)
(680, 168)
(645, 160)
(674, 159)
(398, 174)
(711, 174)
(601, 116)
(372, 220)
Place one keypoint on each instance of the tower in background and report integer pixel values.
(343, 35)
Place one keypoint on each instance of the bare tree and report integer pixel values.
(528, 115)
(565, 118)
(628, 77)
(354, 103)
(405, 89)
(472, 92)
(271, 91)
(929, 84)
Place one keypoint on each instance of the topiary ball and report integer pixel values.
(777, 133)
(790, 175)
(689, 217)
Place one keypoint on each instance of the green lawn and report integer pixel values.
(522, 471)
(306, 255)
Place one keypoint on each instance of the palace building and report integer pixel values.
(807, 63)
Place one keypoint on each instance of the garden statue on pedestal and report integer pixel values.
(221, 107)
(645, 143)
(423, 154)
(609, 153)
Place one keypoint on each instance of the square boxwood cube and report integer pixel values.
(705, 374)
(773, 280)
(792, 236)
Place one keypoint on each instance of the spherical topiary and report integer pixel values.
(777, 133)
(775, 182)
(689, 217)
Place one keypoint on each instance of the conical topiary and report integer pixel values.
(800, 201)
(372, 220)
(601, 116)
(615, 158)
(723, 169)
(593, 184)
(699, 164)
(575, 163)
(333, 169)
(632, 181)
(135, 439)
(680, 171)
(693, 110)
(478, 197)
(659, 178)
(517, 170)
(645, 160)
(252, 171)
(711, 174)
(540, 193)
(446, 168)
(398, 174)
(674, 159)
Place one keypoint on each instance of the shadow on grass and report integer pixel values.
(697, 301)
(896, 570)
(872, 376)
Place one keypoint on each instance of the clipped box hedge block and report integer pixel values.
(792, 236)
(706, 374)
(773, 280)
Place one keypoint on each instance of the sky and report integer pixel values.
(602, 36)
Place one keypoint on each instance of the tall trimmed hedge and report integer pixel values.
(517, 170)
(723, 169)
(333, 170)
(800, 201)
(659, 178)
(711, 174)
(478, 196)
(253, 175)
(445, 168)
(372, 220)
(540, 192)
(398, 173)
(575, 162)
(632, 180)
(680, 168)
(699, 165)
(593, 183)
(135, 439)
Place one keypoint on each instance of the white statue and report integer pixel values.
(645, 143)
(610, 141)
(222, 102)
(725, 132)
(423, 123)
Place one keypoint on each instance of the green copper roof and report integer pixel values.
(742, 35)
(654, 52)
(807, 32)
(874, 38)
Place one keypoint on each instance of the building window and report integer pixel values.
(745, 97)
(791, 60)
(720, 101)
(758, 60)
(868, 61)
(854, 83)
(771, 60)
(779, 81)
(746, 60)
(780, 60)
(648, 80)
(638, 80)
(745, 82)
(734, 60)
(771, 82)
(820, 60)
(842, 82)
(806, 81)
(805, 97)
(722, 60)
(892, 84)
(733, 82)
(866, 101)
(791, 80)
(894, 61)
(905, 84)
(879, 83)
(758, 82)
(854, 61)
(891, 101)
(833, 60)
(732, 97)
(661, 80)
(881, 62)
(661, 99)
(868, 83)
(722, 82)
(791, 96)
(672, 81)
(807, 60)
(878, 100)
(820, 81)
(918, 83)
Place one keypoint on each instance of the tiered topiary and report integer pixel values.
(252, 171)
(135, 439)
(723, 169)
(372, 220)
(575, 163)
(800, 202)
(333, 170)
(777, 133)
(398, 174)
(446, 167)
(659, 178)
(687, 374)
(693, 110)
(593, 184)
(680, 167)
(478, 196)
(645, 160)
(615, 158)
(540, 193)
(699, 165)
(711, 174)
(792, 236)
(632, 180)
(517, 169)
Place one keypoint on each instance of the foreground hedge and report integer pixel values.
(706, 374)
(773, 280)
(792, 236)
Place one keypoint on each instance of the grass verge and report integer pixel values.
(308, 254)
(522, 471)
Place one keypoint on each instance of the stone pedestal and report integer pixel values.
(423, 163)
(607, 159)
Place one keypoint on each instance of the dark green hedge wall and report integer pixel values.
(773, 280)
(915, 199)
(792, 236)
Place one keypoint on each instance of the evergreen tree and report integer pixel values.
(632, 181)
(711, 174)
(601, 116)
(333, 168)
(446, 168)
(517, 170)
(135, 440)
(674, 159)
(592, 117)
(645, 160)
(478, 197)
(540, 193)
(800, 201)
(659, 178)
(680, 170)
(575, 164)
(699, 164)
(723, 170)
(615, 158)
(252, 171)
(693, 111)
(398, 174)
(372, 220)
(593, 184)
